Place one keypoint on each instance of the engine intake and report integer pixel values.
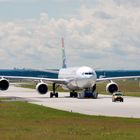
(42, 88)
(4, 84)
(112, 87)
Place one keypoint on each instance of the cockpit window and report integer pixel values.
(88, 73)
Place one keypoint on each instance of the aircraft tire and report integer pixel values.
(71, 94)
(51, 95)
(95, 95)
(75, 94)
(56, 95)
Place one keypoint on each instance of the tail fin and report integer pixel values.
(63, 55)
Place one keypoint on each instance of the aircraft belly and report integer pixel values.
(73, 85)
(80, 84)
(85, 83)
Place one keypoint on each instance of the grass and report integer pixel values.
(33, 86)
(128, 87)
(23, 121)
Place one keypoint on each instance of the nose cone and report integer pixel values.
(86, 72)
(87, 77)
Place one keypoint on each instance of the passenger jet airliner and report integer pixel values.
(73, 79)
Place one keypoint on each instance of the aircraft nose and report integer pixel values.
(87, 81)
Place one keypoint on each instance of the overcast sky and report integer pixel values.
(103, 34)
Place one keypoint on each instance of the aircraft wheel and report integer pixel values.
(51, 95)
(75, 94)
(71, 94)
(56, 95)
(95, 95)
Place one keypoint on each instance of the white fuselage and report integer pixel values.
(78, 77)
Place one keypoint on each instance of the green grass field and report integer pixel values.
(128, 87)
(24, 121)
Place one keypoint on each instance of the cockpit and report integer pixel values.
(87, 73)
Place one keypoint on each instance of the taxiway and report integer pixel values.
(101, 106)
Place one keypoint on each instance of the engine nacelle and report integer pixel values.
(4, 84)
(42, 88)
(112, 87)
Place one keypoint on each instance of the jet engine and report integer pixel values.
(4, 84)
(112, 87)
(42, 88)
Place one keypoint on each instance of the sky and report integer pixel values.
(97, 33)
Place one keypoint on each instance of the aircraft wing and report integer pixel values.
(116, 78)
(49, 80)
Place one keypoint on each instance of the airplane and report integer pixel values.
(69, 78)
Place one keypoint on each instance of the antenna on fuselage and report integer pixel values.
(64, 65)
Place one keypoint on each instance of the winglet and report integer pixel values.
(63, 55)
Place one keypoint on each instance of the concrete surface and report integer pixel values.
(101, 106)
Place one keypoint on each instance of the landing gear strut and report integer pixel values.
(94, 88)
(54, 93)
(73, 94)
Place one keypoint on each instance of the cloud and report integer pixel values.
(106, 36)
(128, 3)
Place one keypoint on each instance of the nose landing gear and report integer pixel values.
(54, 93)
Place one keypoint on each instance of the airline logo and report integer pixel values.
(63, 55)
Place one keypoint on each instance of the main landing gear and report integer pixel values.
(54, 93)
(73, 94)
